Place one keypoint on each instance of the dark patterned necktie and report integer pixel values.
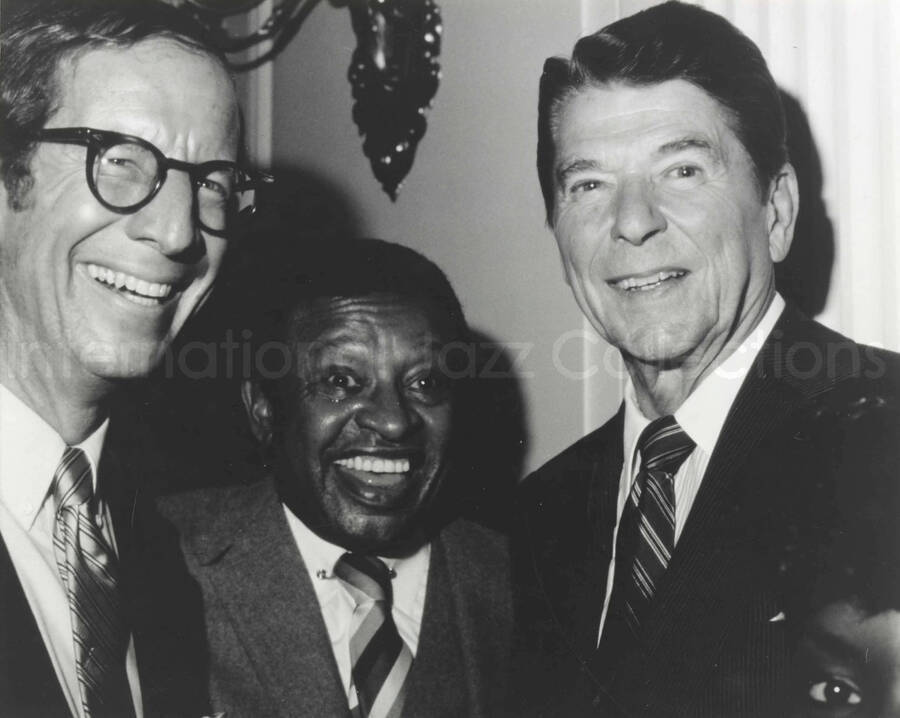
(646, 535)
(379, 658)
(87, 566)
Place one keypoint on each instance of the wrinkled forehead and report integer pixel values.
(670, 94)
(156, 82)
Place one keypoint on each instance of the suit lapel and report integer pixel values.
(28, 682)
(703, 584)
(479, 587)
(437, 674)
(256, 571)
(603, 495)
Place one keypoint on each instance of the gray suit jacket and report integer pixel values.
(269, 650)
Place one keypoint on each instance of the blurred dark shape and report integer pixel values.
(491, 435)
(855, 556)
(804, 277)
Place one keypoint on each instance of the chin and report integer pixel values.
(123, 365)
(660, 345)
(382, 536)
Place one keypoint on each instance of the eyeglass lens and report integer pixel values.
(126, 173)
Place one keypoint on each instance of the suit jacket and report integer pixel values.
(713, 643)
(162, 605)
(269, 649)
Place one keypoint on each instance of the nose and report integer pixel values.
(637, 218)
(168, 219)
(387, 412)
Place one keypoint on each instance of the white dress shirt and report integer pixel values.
(408, 586)
(701, 416)
(30, 452)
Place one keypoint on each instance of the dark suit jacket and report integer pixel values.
(162, 603)
(709, 646)
(269, 648)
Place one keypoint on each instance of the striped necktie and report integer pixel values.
(646, 537)
(87, 567)
(379, 658)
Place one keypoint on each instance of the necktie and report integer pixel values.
(646, 535)
(379, 658)
(87, 567)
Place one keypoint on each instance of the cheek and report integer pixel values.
(216, 248)
(316, 425)
(438, 425)
(577, 240)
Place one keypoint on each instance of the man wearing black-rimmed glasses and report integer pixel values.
(119, 139)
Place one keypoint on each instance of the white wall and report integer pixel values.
(472, 202)
(840, 58)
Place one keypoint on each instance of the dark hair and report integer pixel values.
(41, 37)
(348, 268)
(667, 42)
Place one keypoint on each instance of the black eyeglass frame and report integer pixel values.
(96, 140)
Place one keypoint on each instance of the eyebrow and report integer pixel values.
(836, 646)
(686, 143)
(576, 166)
(667, 148)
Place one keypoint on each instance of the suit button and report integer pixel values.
(597, 701)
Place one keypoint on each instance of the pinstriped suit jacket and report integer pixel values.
(709, 645)
(269, 649)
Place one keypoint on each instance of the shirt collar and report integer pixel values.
(30, 452)
(320, 556)
(703, 413)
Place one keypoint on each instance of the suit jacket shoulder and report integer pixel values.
(269, 649)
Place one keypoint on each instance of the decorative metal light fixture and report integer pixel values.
(395, 75)
(281, 25)
(394, 71)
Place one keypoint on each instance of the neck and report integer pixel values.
(662, 387)
(73, 405)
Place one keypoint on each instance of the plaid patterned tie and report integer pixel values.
(380, 659)
(87, 566)
(646, 535)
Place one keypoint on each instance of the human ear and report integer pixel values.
(259, 411)
(781, 211)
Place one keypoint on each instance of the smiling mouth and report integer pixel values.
(652, 281)
(381, 483)
(134, 289)
(375, 465)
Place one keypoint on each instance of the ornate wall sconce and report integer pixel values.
(394, 71)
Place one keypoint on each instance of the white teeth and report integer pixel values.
(139, 290)
(375, 465)
(650, 282)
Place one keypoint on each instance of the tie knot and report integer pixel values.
(73, 480)
(366, 574)
(664, 446)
